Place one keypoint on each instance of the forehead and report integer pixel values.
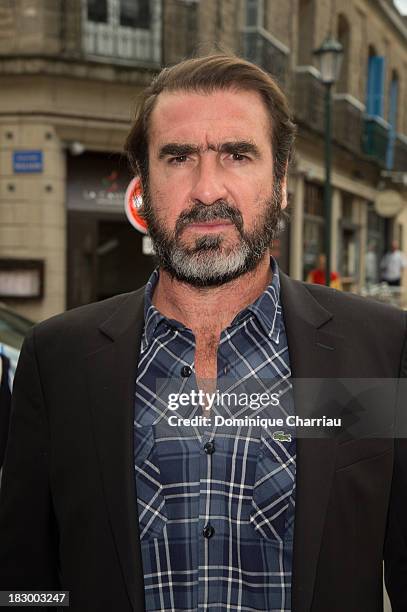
(216, 116)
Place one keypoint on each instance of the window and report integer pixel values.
(375, 244)
(399, 235)
(392, 119)
(127, 30)
(375, 129)
(254, 13)
(350, 255)
(314, 199)
(347, 207)
(97, 11)
(135, 14)
(260, 46)
(313, 235)
(21, 278)
(344, 39)
(306, 28)
(349, 236)
(375, 85)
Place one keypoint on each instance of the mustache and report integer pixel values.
(201, 213)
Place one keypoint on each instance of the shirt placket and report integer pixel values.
(211, 540)
(204, 438)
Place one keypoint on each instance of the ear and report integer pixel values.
(284, 197)
(137, 193)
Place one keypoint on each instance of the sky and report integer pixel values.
(402, 6)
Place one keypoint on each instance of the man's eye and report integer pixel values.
(239, 157)
(179, 159)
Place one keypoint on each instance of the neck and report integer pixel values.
(210, 308)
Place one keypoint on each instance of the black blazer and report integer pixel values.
(68, 512)
(5, 402)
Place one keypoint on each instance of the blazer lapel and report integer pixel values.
(111, 373)
(313, 354)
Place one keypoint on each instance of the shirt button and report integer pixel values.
(186, 371)
(208, 531)
(209, 448)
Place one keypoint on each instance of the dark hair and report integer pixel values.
(208, 74)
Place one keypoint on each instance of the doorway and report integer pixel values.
(105, 257)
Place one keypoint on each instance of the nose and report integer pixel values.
(208, 183)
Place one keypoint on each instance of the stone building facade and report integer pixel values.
(70, 74)
(369, 143)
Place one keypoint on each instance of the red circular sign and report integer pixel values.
(133, 201)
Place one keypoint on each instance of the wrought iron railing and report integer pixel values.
(400, 154)
(375, 138)
(261, 48)
(308, 98)
(347, 119)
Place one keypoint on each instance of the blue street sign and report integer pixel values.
(27, 161)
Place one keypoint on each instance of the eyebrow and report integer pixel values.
(240, 147)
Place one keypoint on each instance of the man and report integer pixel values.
(102, 497)
(318, 275)
(392, 265)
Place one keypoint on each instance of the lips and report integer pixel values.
(210, 225)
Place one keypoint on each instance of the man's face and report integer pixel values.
(321, 262)
(210, 204)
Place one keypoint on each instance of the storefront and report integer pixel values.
(280, 248)
(313, 236)
(106, 255)
(349, 256)
(377, 230)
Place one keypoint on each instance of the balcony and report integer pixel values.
(308, 98)
(261, 48)
(110, 39)
(347, 120)
(400, 154)
(375, 138)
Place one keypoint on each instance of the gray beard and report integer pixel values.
(209, 262)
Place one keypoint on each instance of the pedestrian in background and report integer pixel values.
(318, 276)
(392, 265)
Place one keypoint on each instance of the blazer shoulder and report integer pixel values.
(91, 315)
(356, 306)
(368, 326)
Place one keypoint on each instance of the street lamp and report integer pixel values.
(329, 55)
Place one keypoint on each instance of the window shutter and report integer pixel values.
(393, 101)
(375, 85)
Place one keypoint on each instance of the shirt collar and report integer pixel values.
(152, 317)
(266, 309)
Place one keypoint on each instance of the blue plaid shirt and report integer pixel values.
(215, 503)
